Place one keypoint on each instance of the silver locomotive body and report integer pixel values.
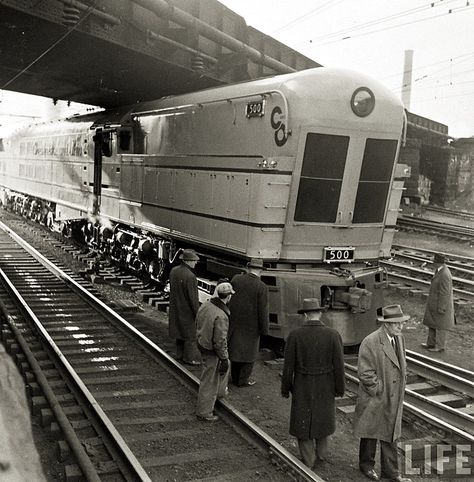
(298, 170)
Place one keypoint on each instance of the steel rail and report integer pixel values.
(304, 472)
(459, 371)
(461, 420)
(457, 267)
(456, 271)
(450, 212)
(434, 412)
(449, 229)
(443, 377)
(430, 253)
(133, 465)
(425, 284)
(421, 271)
(83, 460)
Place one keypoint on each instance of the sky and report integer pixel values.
(370, 36)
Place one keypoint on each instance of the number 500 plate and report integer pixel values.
(338, 255)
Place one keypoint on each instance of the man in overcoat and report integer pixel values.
(183, 308)
(439, 312)
(378, 412)
(313, 373)
(248, 321)
(212, 326)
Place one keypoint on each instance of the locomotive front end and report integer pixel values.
(343, 200)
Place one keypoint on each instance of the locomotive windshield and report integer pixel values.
(374, 181)
(321, 178)
(322, 172)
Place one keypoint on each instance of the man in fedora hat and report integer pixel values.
(313, 373)
(248, 321)
(212, 326)
(378, 413)
(439, 312)
(183, 308)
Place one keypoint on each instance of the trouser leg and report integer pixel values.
(307, 451)
(191, 352)
(431, 341)
(208, 387)
(441, 338)
(321, 446)
(235, 372)
(245, 372)
(367, 448)
(179, 349)
(388, 459)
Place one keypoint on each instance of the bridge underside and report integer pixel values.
(115, 52)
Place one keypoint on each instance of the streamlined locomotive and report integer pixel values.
(298, 170)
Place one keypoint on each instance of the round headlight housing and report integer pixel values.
(362, 101)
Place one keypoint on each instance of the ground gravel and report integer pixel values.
(263, 404)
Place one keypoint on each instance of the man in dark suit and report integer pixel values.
(378, 413)
(248, 320)
(439, 313)
(184, 305)
(314, 374)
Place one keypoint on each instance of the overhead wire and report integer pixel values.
(431, 99)
(421, 67)
(428, 78)
(307, 15)
(57, 42)
(451, 12)
(385, 19)
(302, 46)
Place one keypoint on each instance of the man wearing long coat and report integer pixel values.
(313, 373)
(378, 413)
(183, 308)
(439, 313)
(248, 321)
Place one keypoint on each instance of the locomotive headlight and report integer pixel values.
(362, 102)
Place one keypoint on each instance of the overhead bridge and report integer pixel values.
(115, 52)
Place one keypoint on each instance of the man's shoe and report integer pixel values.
(426, 346)
(210, 418)
(435, 350)
(371, 474)
(249, 383)
(193, 363)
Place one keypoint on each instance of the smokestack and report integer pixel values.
(407, 73)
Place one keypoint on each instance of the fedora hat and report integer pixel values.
(189, 255)
(255, 263)
(392, 314)
(311, 304)
(439, 258)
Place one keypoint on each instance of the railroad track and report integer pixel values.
(439, 393)
(124, 407)
(411, 268)
(451, 231)
(449, 212)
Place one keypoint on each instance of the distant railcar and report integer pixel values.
(298, 170)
